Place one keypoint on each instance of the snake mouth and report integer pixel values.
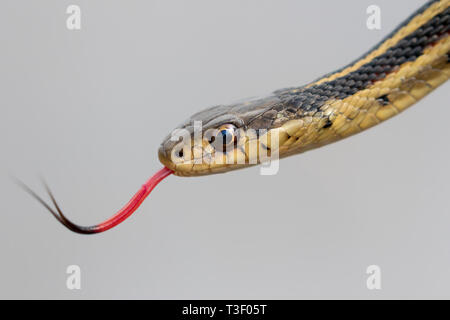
(191, 168)
(184, 169)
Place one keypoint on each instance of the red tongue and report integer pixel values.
(134, 202)
(116, 219)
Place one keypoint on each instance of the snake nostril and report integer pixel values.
(180, 153)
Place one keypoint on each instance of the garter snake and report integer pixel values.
(408, 64)
(403, 68)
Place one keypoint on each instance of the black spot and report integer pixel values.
(384, 100)
(291, 110)
(328, 124)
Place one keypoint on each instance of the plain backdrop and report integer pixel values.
(87, 110)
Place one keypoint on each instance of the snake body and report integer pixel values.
(408, 64)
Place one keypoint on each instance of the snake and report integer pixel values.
(404, 67)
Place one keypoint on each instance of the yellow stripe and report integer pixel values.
(412, 26)
(403, 87)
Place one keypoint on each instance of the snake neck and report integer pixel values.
(402, 69)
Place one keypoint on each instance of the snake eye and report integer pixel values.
(226, 136)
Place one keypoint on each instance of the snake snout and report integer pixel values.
(164, 154)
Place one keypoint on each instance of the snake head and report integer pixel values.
(221, 138)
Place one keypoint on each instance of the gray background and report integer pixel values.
(87, 109)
